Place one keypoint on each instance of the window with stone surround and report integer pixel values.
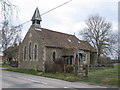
(54, 55)
(35, 52)
(30, 51)
(25, 51)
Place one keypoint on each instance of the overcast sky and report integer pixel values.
(69, 18)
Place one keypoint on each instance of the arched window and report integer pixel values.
(54, 55)
(35, 52)
(25, 51)
(33, 22)
(30, 51)
(38, 21)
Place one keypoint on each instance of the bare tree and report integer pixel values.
(97, 33)
(10, 33)
(0, 41)
(119, 45)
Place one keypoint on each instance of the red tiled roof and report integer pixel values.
(62, 40)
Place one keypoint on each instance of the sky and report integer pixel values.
(69, 18)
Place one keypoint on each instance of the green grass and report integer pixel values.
(4, 65)
(67, 76)
(27, 71)
(0, 65)
(103, 75)
(62, 76)
(100, 75)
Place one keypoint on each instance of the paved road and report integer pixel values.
(20, 80)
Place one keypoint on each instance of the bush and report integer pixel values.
(48, 66)
(56, 68)
(104, 60)
(52, 67)
(69, 68)
(60, 61)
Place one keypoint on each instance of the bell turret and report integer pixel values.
(36, 19)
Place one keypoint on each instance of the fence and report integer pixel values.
(101, 65)
(104, 71)
(83, 70)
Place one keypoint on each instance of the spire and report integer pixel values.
(36, 19)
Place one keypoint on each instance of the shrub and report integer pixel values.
(60, 61)
(56, 68)
(104, 60)
(52, 67)
(69, 68)
(48, 66)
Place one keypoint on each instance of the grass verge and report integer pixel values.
(62, 76)
(4, 65)
(100, 75)
(104, 75)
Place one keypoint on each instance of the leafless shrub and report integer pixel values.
(60, 62)
(50, 66)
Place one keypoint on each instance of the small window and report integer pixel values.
(69, 40)
(25, 53)
(54, 55)
(38, 21)
(79, 42)
(30, 51)
(33, 22)
(35, 52)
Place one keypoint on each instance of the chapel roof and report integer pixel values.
(62, 40)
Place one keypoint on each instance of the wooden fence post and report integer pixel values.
(86, 70)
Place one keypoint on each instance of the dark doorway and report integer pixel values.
(71, 60)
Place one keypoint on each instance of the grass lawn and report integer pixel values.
(100, 75)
